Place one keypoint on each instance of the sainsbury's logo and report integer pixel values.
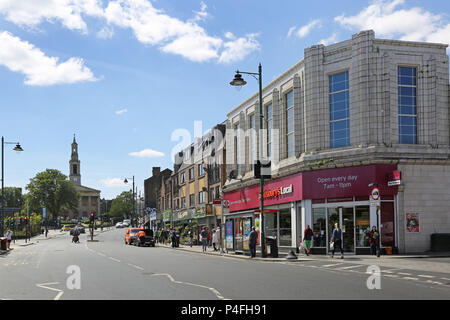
(277, 192)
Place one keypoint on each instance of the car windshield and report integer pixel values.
(135, 230)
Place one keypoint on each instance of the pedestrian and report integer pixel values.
(46, 231)
(204, 235)
(373, 240)
(191, 237)
(209, 238)
(8, 236)
(252, 242)
(307, 236)
(218, 239)
(336, 238)
(214, 239)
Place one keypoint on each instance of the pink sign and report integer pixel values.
(321, 184)
(275, 192)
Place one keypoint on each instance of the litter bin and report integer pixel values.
(272, 247)
(3, 241)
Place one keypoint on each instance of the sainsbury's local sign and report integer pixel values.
(275, 193)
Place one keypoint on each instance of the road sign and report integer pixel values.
(375, 194)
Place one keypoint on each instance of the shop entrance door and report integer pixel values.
(344, 217)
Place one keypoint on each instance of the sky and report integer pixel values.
(124, 75)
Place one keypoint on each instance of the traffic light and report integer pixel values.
(263, 168)
(25, 220)
(92, 217)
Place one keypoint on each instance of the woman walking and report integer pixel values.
(373, 240)
(337, 240)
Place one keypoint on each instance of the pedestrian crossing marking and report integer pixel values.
(425, 276)
(350, 267)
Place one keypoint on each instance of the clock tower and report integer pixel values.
(74, 164)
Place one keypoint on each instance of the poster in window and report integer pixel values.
(229, 234)
(247, 225)
(412, 222)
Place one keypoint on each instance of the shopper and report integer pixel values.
(337, 240)
(307, 236)
(8, 236)
(204, 235)
(218, 239)
(214, 239)
(173, 237)
(191, 237)
(252, 239)
(209, 238)
(373, 240)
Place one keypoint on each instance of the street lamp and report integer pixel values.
(239, 82)
(133, 213)
(17, 148)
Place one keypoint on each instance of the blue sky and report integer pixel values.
(124, 74)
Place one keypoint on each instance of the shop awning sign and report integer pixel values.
(394, 178)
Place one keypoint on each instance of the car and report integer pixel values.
(126, 223)
(119, 225)
(66, 228)
(147, 241)
(131, 235)
(81, 228)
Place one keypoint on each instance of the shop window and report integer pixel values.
(285, 228)
(362, 226)
(387, 221)
(319, 227)
(270, 224)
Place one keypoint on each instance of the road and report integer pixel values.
(111, 270)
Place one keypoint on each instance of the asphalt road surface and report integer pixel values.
(109, 269)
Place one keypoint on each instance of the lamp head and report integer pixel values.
(238, 81)
(18, 148)
(125, 181)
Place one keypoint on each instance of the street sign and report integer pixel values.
(375, 194)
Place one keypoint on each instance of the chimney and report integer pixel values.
(156, 171)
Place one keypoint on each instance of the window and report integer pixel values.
(201, 197)
(319, 227)
(192, 200)
(217, 192)
(362, 226)
(183, 178)
(290, 124)
(187, 154)
(237, 149)
(191, 174)
(211, 193)
(183, 202)
(407, 105)
(252, 138)
(75, 169)
(339, 110)
(285, 228)
(201, 170)
(269, 126)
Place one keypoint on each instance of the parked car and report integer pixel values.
(119, 225)
(126, 223)
(131, 235)
(146, 241)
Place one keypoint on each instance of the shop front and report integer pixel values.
(320, 199)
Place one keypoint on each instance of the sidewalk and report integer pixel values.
(210, 251)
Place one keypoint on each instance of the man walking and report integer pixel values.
(252, 242)
(337, 240)
(373, 240)
(204, 235)
(307, 236)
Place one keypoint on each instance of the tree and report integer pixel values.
(50, 189)
(122, 205)
(13, 197)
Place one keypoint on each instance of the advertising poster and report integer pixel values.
(257, 228)
(229, 234)
(412, 222)
(247, 229)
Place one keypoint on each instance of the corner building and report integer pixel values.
(350, 114)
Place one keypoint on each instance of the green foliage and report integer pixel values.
(52, 190)
(13, 197)
(122, 205)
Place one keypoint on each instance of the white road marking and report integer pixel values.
(135, 266)
(434, 282)
(332, 265)
(425, 276)
(44, 286)
(404, 273)
(217, 293)
(446, 279)
(410, 278)
(350, 267)
(114, 259)
(391, 275)
(101, 254)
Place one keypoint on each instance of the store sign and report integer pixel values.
(278, 192)
(394, 178)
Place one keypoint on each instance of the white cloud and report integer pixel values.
(121, 111)
(147, 153)
(150, 26)
(305, 30)
(332, 39)
(113, 182)
(388, 20)
(39, 69)
(238, 49)
(31, 13)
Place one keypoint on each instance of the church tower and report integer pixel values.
(74, 164)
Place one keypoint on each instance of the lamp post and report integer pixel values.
(16, 148)
(238, 81)
(133, 213)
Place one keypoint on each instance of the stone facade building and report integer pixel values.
(359, 112)
(89, 197)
